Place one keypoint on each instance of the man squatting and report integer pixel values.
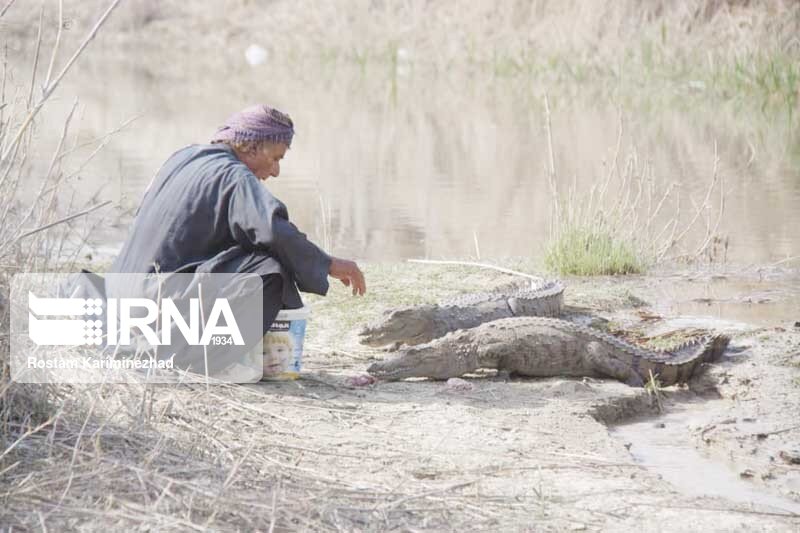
(205, 211)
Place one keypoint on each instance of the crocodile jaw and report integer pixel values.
(452, 356)
(412, 362)
(402, 325)
(417, 362)
(391, 370)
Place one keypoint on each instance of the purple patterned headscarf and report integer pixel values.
(257, 123)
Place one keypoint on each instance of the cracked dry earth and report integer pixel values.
(554, 454)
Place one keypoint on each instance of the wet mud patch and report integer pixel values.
(677, 447)
(618, 408)
(732, 434)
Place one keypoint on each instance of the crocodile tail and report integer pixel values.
(712, 349)
(719, 343)
(684, 362)
(545, 300)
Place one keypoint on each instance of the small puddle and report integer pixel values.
(766, 302)
(668, 451)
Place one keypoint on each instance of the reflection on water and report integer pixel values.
(736, 300)
(386, 168)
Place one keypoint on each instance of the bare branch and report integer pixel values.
(479, 265)
(51, 86)
(699, 209)
(8, 6)
(91, 35)
(62, 220)
(57, 44)
(711, 233)
(103, 139)
(551, 169)
(36, 56)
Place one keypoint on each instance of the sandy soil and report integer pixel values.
(508, 454)
(538, 453)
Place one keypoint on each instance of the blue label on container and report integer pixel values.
(283, 346)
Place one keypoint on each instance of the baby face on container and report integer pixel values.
(277, 357)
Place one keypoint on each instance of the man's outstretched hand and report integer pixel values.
(349, 274)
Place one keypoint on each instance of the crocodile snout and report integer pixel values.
(409, 326)
(386, 370)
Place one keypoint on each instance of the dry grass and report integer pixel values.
(150, 457)
(731, 49)
(34, 233)
(629, 219)
(655, 391)
(231, 457)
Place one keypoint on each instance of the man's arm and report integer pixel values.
(258, 220)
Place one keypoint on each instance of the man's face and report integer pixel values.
(265, 163)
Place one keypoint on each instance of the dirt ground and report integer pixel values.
(508, 455)
(538, 454)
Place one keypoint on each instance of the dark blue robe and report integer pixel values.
(206, 212)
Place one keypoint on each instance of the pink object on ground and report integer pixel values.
(459, 385)
(361, 381)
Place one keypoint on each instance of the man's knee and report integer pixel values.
(272, 286)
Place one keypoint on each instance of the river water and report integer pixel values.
(396, 165)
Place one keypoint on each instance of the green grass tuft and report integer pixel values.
(586, 251)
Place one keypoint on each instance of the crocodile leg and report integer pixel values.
(604, 363)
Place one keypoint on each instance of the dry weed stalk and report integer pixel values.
(655, 390)
(628, 205)
(535, 279)
(16, 129)
(325, 210)
(16, 134)
(50, 83)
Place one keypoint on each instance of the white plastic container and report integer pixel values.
(283, 344)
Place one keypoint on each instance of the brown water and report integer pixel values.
(734, 301)
(390, 165)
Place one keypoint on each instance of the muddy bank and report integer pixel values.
(508, 454)
(738, 420)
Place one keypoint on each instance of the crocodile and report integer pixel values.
(544, 347)
(423, 323)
